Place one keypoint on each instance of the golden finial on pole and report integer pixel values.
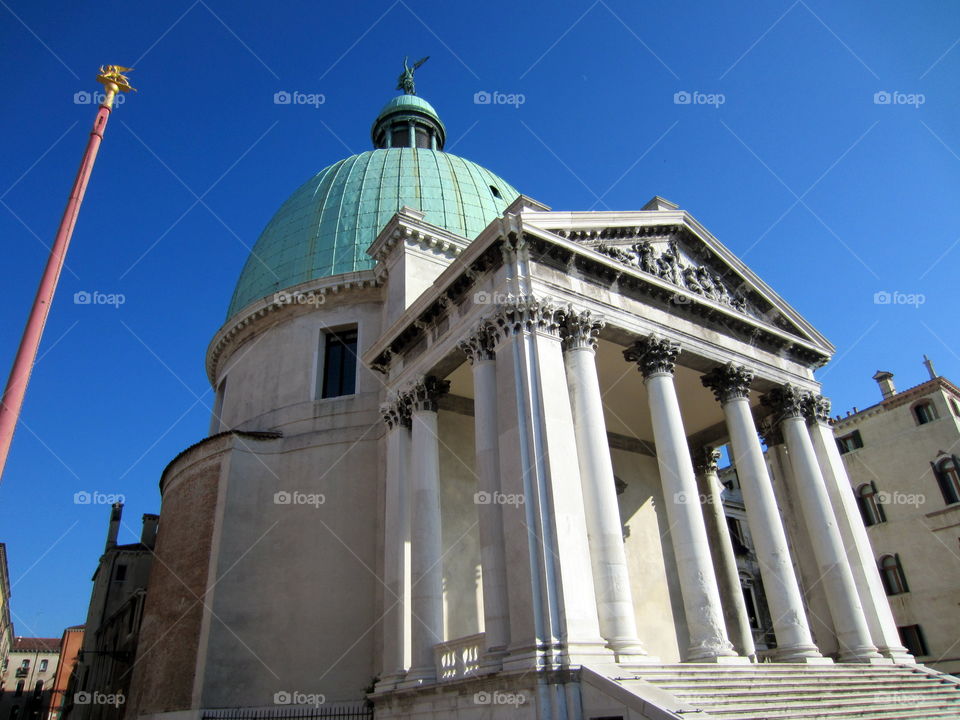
(114, 81)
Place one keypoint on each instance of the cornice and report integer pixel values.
(300, 298)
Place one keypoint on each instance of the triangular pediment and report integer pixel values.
(666, 243)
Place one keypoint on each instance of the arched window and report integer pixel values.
(19, 692)
(945, 471)
(870, 507)
(891, 572)
(38, 689)
(955, 406)
(924, 412)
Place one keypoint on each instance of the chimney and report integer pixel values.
(885, 381)
(148, 535)
(115, 513)
(929, 365)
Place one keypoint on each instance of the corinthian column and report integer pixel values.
(552, 604)
(873, 598)
(611, 581)
(655, 358)
(789, 404)
(396, 547)
(721, 547)
(731, 387)
(479, 351)
(425, 561)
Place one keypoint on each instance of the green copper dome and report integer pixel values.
(326, 226)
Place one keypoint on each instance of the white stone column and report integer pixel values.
(479, 351)
(853, 635)
(698, 584)
(550, 592)
(426, 541)
(731, 386)
(618, 624)
(866, 576)
(721, 550)
(396, 548)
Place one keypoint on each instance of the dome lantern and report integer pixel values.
(408, 121)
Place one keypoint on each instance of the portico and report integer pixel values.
(574, 379)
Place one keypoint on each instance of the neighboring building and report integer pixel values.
(426, 387)
(903, 459)
(6, 626)
(70, 645)
(28, 679)
(102, 677)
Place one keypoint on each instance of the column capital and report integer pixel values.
(705, 460)
(396, 412)
(817, 409)
(768, 430)
(653, 355)
(480, 345)
(525, 313)
(579, 330)
(728, 382)
(425, 392)
(787, 401)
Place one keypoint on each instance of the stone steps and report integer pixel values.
(802, 692)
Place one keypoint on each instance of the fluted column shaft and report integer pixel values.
(731, 386)
(849, 622)
(396, 548)
(611, 580)
(426, 540)
(853, 534)
(480, 353)
(698, 584)
(721, 550)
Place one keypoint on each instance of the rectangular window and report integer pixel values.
(121, 573)
(339, 364)
(853, 441)
(912, 638)
(43, 666)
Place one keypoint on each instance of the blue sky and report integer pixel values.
(786, 152)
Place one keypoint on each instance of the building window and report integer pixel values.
(870, 507)
(19, 692)
(24, 664)
(912, 638)
(736, 536)
(891, 572)
(339, 364)
(849, 442)
(121, 573)
(750, 600)
(43, 666)
(924, 412)
(945, 471)
(955, 406)
(38, 689)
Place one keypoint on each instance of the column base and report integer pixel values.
(807, 654)
(417, 677)
(627, 650)
(721, 660)
(389, 682)
(865, 655)
(709, 652)
(631, 659)
(899, 655)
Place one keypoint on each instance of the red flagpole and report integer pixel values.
(16, 387)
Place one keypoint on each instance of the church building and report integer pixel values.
(464, 464)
